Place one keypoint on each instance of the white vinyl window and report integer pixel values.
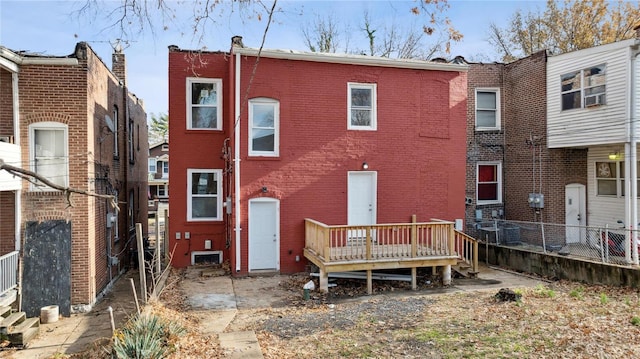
(487, 109)
(489, 183)
(610, 178)
(361, 106)
(204, 104)
(204, 200)
(152, 165)
(584, 88)
(48, 149)
(264, 119)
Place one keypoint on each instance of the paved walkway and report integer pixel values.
(216, 300)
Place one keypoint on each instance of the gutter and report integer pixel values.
(236, 160)
(353, 60)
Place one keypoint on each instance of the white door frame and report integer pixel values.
(575, 235)
(373, 178)
(277, 228)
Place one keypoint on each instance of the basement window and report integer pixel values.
(206, 257)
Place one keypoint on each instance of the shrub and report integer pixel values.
(145, 336)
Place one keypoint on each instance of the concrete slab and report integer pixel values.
(214, 321)
(240, 345)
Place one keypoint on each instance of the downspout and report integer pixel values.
(633, 116)
(16, 141)
(236, 160)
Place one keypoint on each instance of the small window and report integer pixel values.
(263, 127)
(165, 147)
(204, 201)
(487, 109)
(48, 151)
(584, 88)
(489, 183)
(361, 106)
(165, 169)
(152, 165)
(204, 104)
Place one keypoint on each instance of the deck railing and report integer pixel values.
(379, 241)
(8, 271)
(467, 249)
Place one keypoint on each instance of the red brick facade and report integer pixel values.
(520, 145)
(80, 96)
(418, 149)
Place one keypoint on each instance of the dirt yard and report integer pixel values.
(555, 320)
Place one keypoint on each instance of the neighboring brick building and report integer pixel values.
(76, 124)
(508, 157)
(340, 139)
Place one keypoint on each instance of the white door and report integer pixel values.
(361, 200)
(575, 214)
(264, 234)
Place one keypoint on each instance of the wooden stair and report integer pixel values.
(464, 269)
(16, 327)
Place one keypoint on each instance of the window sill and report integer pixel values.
(489, 130)
(263, 158)
(200, 130)
(492, 203)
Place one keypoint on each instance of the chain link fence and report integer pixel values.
(602, 244)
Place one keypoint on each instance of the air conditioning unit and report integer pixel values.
(594, 100)
(6, 138)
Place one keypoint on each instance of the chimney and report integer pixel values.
(236, 41)
(119, 64)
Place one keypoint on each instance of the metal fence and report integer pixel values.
(602, 244)
(8, 271)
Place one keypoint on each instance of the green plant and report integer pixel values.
(544, 291)
(604, 299)
(635, 321)
(145, 336)
(577, 293)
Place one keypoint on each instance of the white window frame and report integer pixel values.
(374, 106)
(497, 109)
(276, 127)
(163, 188)
(165, 169)
(599, 98)
(32, 151)
(498, 164)
(190, 106)
(218, 174)
(155, 165)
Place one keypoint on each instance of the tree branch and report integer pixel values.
(30, 176)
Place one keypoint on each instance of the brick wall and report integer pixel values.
(6, 103)
(80, 97)
(417, 151)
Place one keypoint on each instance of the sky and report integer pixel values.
(54, 27)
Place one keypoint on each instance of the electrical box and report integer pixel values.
(536, 200)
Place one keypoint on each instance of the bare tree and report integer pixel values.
(323, 35)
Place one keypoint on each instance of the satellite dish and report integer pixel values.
(109, 123)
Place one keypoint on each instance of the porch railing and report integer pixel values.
(335, 243)
(467, 249)
(8, 271)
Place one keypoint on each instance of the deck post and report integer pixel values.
(369, 282)
(475, 256)
(414, 280)
(324, 281)
(368, 243)
(326, 245)
(446, 275)
(414, 237)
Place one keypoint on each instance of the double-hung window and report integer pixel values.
(204, 104)
(165, 169)
(584, 88)
(48, 143)
(152, 165)
(204, 200)
(264, 118)
(610, 179)
(487, 109)
(489, 183)
(361, 106)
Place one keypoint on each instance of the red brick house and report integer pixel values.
(73, 121)
(508, 159)
(341, 139)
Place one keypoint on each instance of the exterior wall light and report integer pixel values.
(614, 156)
(365, 166)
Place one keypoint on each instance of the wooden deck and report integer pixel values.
(387, 246)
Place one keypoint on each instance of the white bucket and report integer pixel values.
(49, 314)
